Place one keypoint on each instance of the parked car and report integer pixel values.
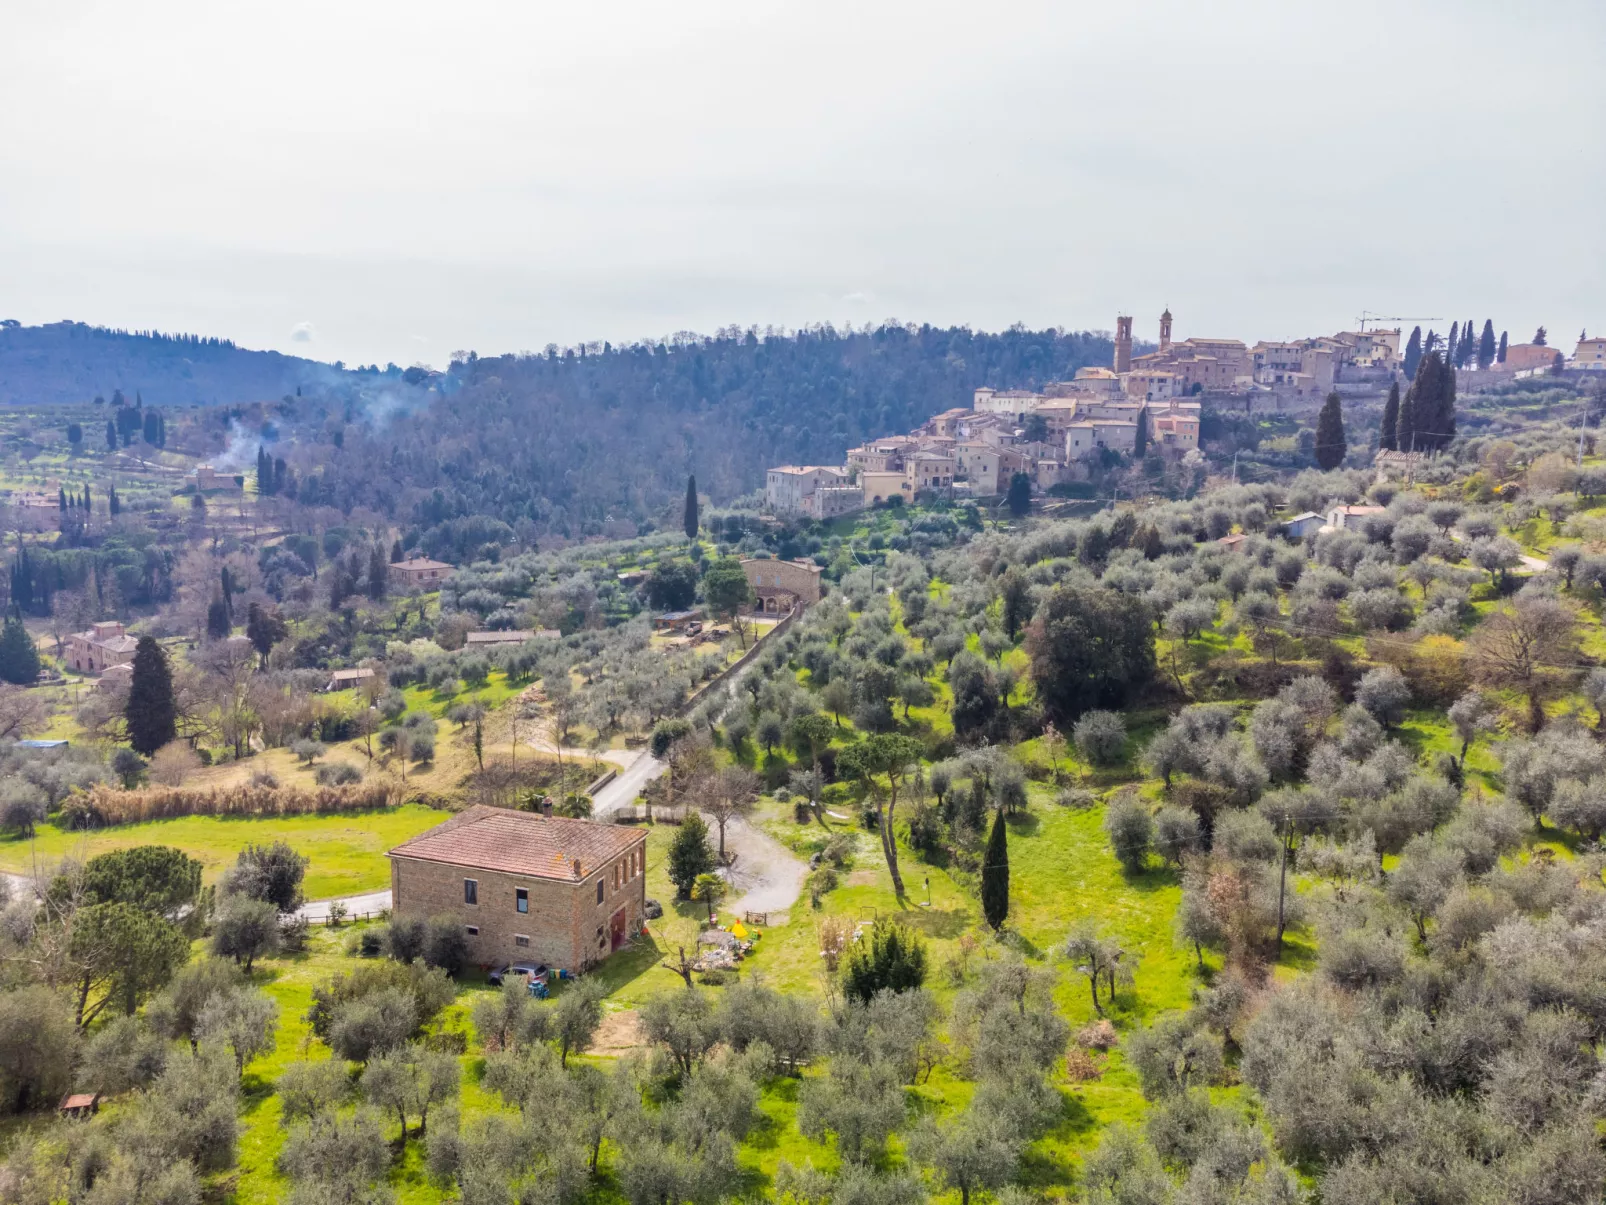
(653, 910)
(536, 972)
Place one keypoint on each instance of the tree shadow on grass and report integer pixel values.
(1151, 879)
(946, 923)
(1023, 824)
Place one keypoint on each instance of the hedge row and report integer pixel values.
(104, 805)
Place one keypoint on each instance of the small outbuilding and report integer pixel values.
(1302, 525)
(80, 1104)
(345, 679)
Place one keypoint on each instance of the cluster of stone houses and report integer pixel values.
(1050, 434)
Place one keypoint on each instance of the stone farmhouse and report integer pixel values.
(209, 481)
(100, 648)
(525, 886)
(419, 573)
(780, 587)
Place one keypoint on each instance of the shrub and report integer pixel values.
(104, 805)
(890, 958)
(336, 774)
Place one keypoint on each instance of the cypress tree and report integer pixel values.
(151, 715)
(1500, 356)
(1413, 353)
(690, 516)
(1486, 345)
(1330, 446)
(1454, 342)
(217, 620)
(264, 472)
(1388, 438)
(112, 502)
(62, 499)
(111, 436)
(1405, 425)
(378, 572)
(995, 874)
(19, 659)
(89, 503)
(1140, 437)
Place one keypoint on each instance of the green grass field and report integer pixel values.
(347, 852)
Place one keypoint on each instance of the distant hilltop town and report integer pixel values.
(1142, 404)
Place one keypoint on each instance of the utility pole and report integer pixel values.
(1282, 878)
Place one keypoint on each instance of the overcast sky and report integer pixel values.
(393, 181)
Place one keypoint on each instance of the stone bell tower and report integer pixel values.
(1123, 343)
(1165, 329)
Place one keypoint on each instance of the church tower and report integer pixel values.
(1165, 329)
(1123, 343)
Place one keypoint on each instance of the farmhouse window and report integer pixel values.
(599, 890)
(471, 891)
(520, 939)
(472, 930)
(521, 899)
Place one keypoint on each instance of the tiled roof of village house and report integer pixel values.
(523, 843)
(420, 562)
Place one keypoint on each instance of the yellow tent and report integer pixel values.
(738, 931)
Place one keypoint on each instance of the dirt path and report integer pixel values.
(768, 875)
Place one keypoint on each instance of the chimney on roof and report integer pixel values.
(546, 806)
(575, 866)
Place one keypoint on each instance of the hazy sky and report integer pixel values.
(393, 181)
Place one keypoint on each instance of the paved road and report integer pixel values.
(629, 783)
(369, 902)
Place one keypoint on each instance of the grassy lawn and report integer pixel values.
(347, 852)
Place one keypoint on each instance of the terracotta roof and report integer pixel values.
(513, 636)
(420, 562)
(523, 843)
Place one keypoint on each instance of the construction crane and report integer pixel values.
(1368, 316)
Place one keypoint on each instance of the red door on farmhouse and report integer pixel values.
(616, 930)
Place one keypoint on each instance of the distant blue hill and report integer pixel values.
(74, 362)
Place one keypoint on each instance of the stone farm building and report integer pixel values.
(511, 636)
(100, 648)
(782, 586)
(419, 573)
(526, 887)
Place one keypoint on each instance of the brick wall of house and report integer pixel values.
(563, 920)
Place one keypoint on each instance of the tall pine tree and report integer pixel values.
(1500, 356)
(1330, 445)
(1140, 437)
(1486, 344)
(150, 712)
(19, 659)
(1388, 437)
(689, 519)
(1453, 344)
(995, 874)
(111, 436)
